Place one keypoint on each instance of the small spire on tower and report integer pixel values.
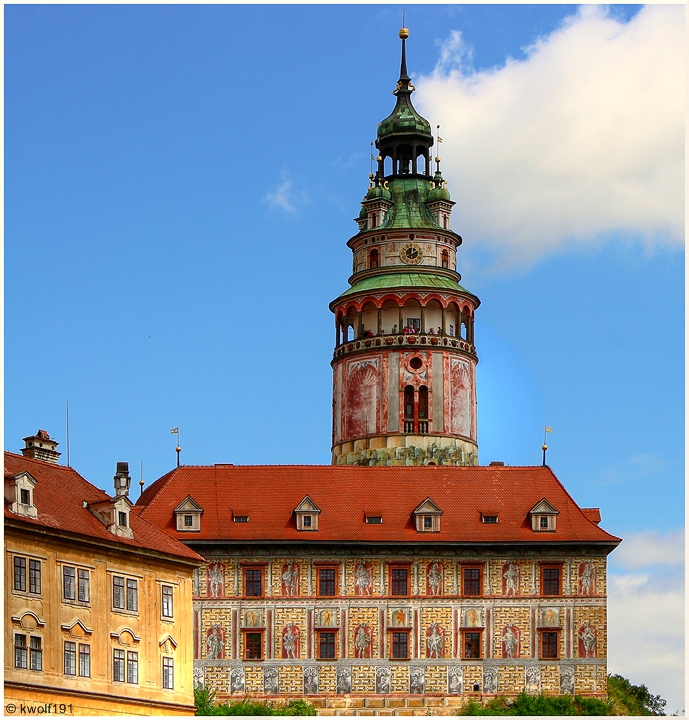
(404, 34)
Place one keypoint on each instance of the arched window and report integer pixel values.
(423, 403)
(373, 258)
(409, 403)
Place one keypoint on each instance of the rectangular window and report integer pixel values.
(84, 586)
(471, 645)
(253, 646)
(122, 519)
(188, 521)
(69, 583)
(326, 582)
(85, 660)
(20, 574)
(118, 592)
(471, 581)
(132, 596)
(374, 519)
(35, 654)
(20, 652)
(550, 581)
(241, 518)
(70, 658)
(428, 523)
(168, 673)
(35, 577)
(253, 582)
(24, 496)
(491, 519)
(167, 600)
(118, 665)
(132, 667)
(549, 645)
(326, 645)
(543, 522)
(306, 521)
(400, 645)
(399, 584)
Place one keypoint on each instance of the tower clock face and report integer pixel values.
(411, 253)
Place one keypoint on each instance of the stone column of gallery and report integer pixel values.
(404, 366)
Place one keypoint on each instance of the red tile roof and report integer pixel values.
(59, 497)
(345, 494)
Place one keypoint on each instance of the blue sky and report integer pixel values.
(180, 183)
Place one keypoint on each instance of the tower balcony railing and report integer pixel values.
(416, 426)
(417, 339)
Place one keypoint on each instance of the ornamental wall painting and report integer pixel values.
(567, 679)
(490, 679)
(400, 617)
(252, 619)
(587, 578)
(215, 643)
(510, 641)
(363, 640)
(472, 617)
(434, 578)
(550, 617)
(215, 580)
(510, 579)
(326, 618)
(361, 399)
(383, 677)
(289, 576)
(587, 640)
(460, 396)
(532, 679)
(291, 641)
(363, 578)
(310, 680)
(344, 679)
(455, 679)
(237, 680)
(270, 680)
(435, 641)
(417, 680)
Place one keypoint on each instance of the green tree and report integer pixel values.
(628, 699)
(205, 705)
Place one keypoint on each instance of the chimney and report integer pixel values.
(122, 480)
(41, 447)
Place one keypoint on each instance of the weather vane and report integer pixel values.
(178, 449)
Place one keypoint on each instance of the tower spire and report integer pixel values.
(404, 34)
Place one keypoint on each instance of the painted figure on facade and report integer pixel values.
(400, 618)
(551, 617)
(237, 680)
(435, 579)
(455, 680)
(363, 579)
(383, 675)
(310, 681)
(253, 618)
(435, 636)
(290, 641)
(417, 680)
(362, 641)
(567, 679)
(214, 643)
(510, 575)
(216, 579)
(510, 641)
(290, 579)
(344, 680)
(490, 679)
(270, 680)
(532, 679)
(587, 640)
(587, 578)
(472, 618)
(327, 618)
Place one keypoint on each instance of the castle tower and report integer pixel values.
(404, 366)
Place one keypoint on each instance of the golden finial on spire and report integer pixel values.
(404, 33)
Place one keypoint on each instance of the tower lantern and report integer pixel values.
(404, 365)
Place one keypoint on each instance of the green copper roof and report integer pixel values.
(404, 119)
(409, 210)
(389, 281)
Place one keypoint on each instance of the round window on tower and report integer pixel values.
(415, 363)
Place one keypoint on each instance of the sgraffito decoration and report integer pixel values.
(460, 380)
(550, 617)
(215, 643)
(434, 578)
(289, 576)
(361, 398)
(400, 617)
(587, 640)
(472, 617)
(215, 580)
(344, 680)
(362, 641)
(237, 680)
(310, 680)
(363, 578)
(587, 578)
(326, 618)
(253, 619)
(532, 679)
(455, 680)
(510, 579)
(567, 679)
(510, 641)
(383, 676)
(290, 641)
(199, 678)
(417, 680)
(490, 680)
(270, 680)
(435, 641)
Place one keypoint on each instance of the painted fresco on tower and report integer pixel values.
(434, 578)
(289, 575)
(361, 398)
(460, 388)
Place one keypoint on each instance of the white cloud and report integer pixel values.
(650, 548)
(282, 197)
(581, 139)
(646, 633)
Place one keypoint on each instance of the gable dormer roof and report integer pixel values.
(188, 505)
(428, 507)
(543, 507)
(307, 505)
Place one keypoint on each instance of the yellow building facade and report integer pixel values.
(98, 615)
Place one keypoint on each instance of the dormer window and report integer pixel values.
(241, 518)
(122, 519)
(428, 516)
(489, 518)
(188, 515)
(25, 496)
(306, 514)
(19, 494)
(543, 517)
(374, 517)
